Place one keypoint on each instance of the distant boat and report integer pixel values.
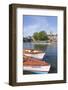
(34, 53)
(36, 66)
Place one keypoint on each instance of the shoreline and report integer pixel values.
(41, 42)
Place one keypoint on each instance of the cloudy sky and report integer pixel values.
(39, 23)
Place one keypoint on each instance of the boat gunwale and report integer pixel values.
(32, 51)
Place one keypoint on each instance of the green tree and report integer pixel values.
(35, 35)
(42, 35)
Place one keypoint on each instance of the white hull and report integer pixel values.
(38, 56)
(37, 68)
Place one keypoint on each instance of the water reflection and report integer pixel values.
(40, 47)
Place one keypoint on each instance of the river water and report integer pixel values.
(50, 56)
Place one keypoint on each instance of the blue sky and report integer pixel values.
(39, 23)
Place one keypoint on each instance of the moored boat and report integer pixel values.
(34, 53)
(36, 65)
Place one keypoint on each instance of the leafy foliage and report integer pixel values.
(42, 35)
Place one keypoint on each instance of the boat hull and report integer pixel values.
(38, 56)
(40, 72)
(37, 69)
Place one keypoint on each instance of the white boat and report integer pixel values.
(36, 66)
(34, 53)
(37, 69)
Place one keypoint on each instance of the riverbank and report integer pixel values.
(41, 42)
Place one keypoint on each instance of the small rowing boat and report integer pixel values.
(34, 53)
(35, 65)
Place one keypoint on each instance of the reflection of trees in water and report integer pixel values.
(40, 47)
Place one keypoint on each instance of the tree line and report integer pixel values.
(41, 36)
